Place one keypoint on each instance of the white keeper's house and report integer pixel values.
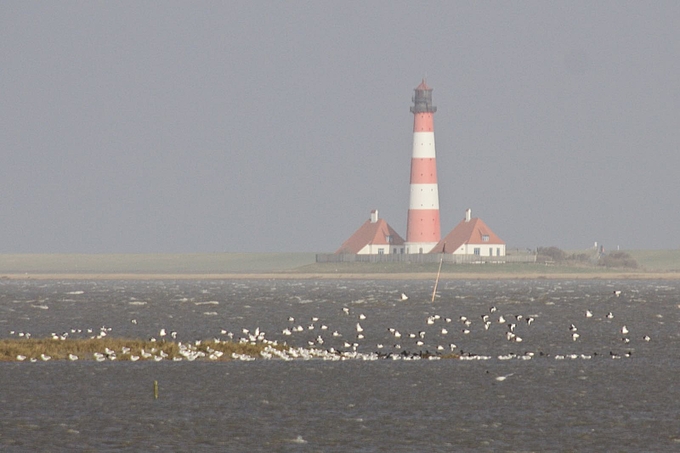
(471, 237)
(374, 237)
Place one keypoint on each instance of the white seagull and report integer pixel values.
(502, 378)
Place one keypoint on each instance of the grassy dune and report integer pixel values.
(481, 269)
(657, 260)
(301, 265)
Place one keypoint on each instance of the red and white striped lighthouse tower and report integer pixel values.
(422, 230)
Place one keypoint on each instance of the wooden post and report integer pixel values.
(436, 282)
(155, 390)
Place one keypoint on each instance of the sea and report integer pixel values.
(545, 365)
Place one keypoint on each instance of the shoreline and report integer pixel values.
(346, 276)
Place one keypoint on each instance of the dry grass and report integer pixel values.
(124, 349)
(121, 349)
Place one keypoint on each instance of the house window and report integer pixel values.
(485, 238)
(388, 239)
(490, 251)
(477, 251)
(381, 251)
(394, 251)
(498, 252)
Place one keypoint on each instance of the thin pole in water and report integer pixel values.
(155, 390)
(436, 282)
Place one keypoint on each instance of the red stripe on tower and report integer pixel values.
(422, 229)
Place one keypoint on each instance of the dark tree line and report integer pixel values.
(613, 259)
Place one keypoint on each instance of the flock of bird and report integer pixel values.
(437, 328)
(315, 339)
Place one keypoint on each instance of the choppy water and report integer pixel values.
(568, 396)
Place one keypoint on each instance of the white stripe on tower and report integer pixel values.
(422, 229)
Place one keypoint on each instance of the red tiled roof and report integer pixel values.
(422, 86)
(466, 233)
(371, 233)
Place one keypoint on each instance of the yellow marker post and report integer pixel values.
(155, 390)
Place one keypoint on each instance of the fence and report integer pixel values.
(423, 258)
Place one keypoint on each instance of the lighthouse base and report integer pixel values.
(418, 247)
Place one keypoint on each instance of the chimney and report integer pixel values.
(374, 216)
(468, 214)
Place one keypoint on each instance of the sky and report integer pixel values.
(251, 126)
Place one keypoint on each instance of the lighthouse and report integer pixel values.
(423, 231)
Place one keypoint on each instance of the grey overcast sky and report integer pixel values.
(174, 126)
